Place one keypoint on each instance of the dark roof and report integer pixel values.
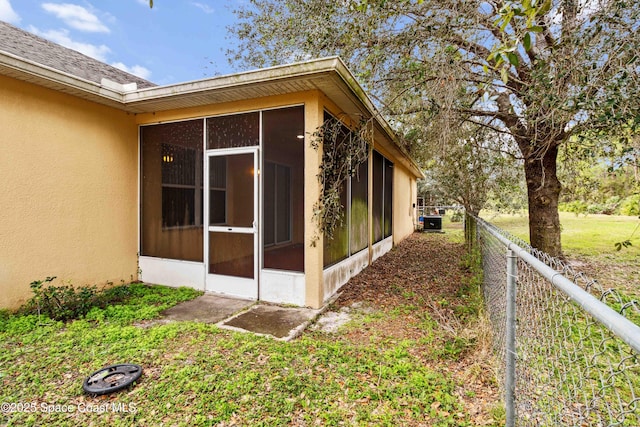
(28, 46)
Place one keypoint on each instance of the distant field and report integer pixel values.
(593, 235)
(591, 240)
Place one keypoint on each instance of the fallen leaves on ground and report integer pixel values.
(422, 278)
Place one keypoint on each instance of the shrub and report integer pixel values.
(456, 216)
(595, 208)
(59, 302)
(631, 205)
(577, 207)
(66, 302)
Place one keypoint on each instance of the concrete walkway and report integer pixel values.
(283, 323)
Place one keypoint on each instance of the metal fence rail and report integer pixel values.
(571, 350)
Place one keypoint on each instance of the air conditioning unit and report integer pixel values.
(432, 222)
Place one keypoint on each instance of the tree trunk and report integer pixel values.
(543, 190)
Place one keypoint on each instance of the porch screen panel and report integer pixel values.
(388, 198)
(359, 209)
(238, 130)
(171, 181)
(269, 204)
(231, 254)
(337, 249)
(378, 196)
(283, 142)
(283, 203)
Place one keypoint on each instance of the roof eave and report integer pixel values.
(393, 143)
(22, 69)
(319, 72)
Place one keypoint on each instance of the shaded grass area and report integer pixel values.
(407, 358)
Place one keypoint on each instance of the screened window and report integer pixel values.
(360, 209)
(238, 130)
(337, 248)
(171, 211)
(382, 197)
(179, 187)
(378, 196)
(283, 142)
(217, 190)
(352, 235)
(277, 204)
(388, 198)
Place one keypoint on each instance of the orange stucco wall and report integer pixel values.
(68, 205)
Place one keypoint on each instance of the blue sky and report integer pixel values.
(176, 41)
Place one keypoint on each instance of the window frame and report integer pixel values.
(197, 187)
(276, 242)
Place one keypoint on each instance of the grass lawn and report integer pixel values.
(590, 240)
(413, 354)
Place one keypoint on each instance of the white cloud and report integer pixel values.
(146, 4)
(76, 17)
(204, 7)
(62, 37)
(137, 70)
(7, 13)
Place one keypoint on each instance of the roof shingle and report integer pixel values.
(28, 46)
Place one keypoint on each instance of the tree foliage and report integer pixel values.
(343, 151)
(538, 72)
(475, 167)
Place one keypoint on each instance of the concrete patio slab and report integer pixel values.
(283, 323)
(207, 308)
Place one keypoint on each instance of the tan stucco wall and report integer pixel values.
(404, 196)
(68, 205)
(313, 255)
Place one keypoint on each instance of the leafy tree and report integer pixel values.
(601, 170)
(538, 72)
(474, 167)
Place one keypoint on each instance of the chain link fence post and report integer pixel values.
(510, 374)
(569, 350)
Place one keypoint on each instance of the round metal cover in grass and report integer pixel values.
(112, 378)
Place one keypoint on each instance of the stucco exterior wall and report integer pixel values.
(68, 205)
(404, 197)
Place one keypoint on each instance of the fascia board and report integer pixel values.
(230, 81)
(49, 77)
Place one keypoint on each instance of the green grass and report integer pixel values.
(198, 374)
(592, 236)
(566, 355)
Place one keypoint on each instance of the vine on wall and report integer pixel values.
(343, 150)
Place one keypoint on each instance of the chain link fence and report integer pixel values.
(571, 350)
